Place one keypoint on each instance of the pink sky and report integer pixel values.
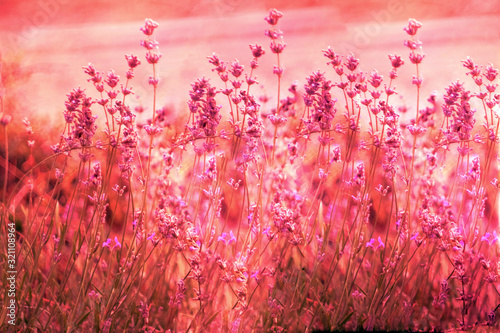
(53, 39)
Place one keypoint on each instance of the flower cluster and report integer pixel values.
(385, 222)
(78, 115)
(204, 109)
(319, 102)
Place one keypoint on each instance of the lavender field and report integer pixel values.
(230, 167)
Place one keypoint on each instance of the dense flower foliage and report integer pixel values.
(335, 207)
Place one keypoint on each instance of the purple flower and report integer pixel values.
(490, 238)
(469, 64)
(153, 58)
(274, 16)
(227, 239)
(278, 70)
(417, 81)
(491, 73)
(416, 58)
(336, 59)
(236, 69)
(277, 48)
(257, 50)
(149, 27)
(117, 244)
(107, 243)
(154, 81)
(416, 130)
(90, 70)
(351, 63)
(396, 61)
(132, 61)
(412, 28)
(412, 44)
(267, 232)
(254, 275)
(380, 243)
(149, 44)
(372, 245)
(152, 130)
(375, 79)
(112, 79)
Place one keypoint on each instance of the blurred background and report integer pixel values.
(45, 43)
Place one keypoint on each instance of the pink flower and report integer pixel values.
(132, 61)
(277, 47)
(112, 79)
(375, 79)
(149, 27)
(267, 231)
(469, 64)
(227, 239)
(154, 81)
(336, 59)
(93, 295)
(117, 244)
(236, 69)
(351, 63)
(412, 28)
(396, 61)
(412, 44)
(490, 238)
(323, 175)
(379, 245)
(278, 71)
(107, 243)
(417, 81)
(416, 129)
(153, 58)
(149, 44)
(491, 73)
(274, 16)
(152, 130)
(416, 58)
(90, 70)
(257, 50)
